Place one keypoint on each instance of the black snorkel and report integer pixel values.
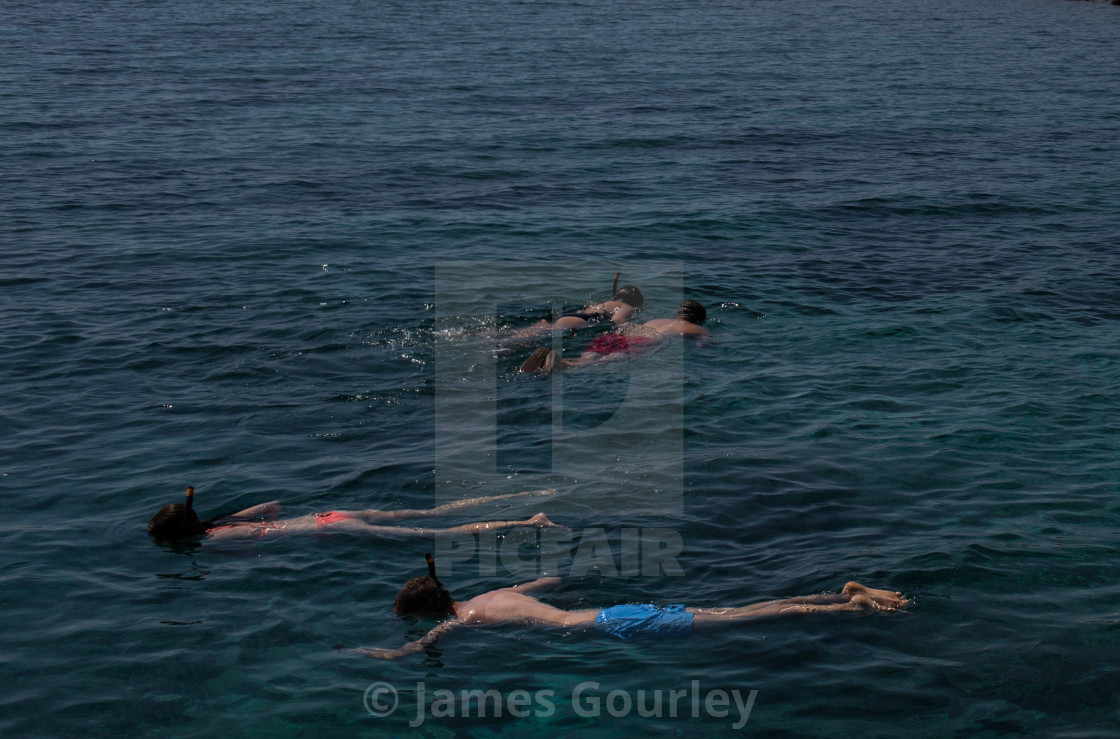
(432, 567)
(187, 512)
(614, 287)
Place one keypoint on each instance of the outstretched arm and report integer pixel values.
(271, 508)
(411, 647)
(538, 584)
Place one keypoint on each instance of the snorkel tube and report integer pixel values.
(432, 568)
(614, 287)
(189, 509)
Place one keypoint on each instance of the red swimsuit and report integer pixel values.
(326, 519)
(617, 344)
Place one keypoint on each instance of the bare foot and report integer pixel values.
(884, 600)
(859, 602)
(536, 360)
(543, 521)
(552, 363)
(503, 496)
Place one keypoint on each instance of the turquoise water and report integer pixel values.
(227, 231)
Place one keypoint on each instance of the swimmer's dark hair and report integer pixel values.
(175, 521)
(692, 312)
(424, 596)
(630, 295)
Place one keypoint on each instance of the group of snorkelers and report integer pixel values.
(426, 596)
(626, 340)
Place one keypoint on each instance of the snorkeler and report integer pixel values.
(426, 596)
(178, 521)
(630, 339)
(619, 309)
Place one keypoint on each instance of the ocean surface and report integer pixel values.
(273, 250)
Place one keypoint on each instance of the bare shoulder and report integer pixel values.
(683, 328)
(620, 312)
(477, 610)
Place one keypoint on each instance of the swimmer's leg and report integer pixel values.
(542, 328)
(588, 358)
(539, 521)
(854, 597)
(442, 510)
(545, 361)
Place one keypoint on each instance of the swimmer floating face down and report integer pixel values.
(176, 521)
(628, 341)
(426, 596)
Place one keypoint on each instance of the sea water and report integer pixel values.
(269, 249)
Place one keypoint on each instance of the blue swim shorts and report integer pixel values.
(645, 620)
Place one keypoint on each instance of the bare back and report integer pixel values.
(660, 328)
(507, 605)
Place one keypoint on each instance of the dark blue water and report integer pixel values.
(263, 249)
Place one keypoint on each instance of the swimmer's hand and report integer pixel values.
(546, 491)
(412, 647)
(542, 521)
(378, 653)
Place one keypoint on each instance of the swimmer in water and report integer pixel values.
(426, 596)
(618, 310)
(630, 339)
(179, 521)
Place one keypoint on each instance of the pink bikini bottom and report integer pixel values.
(331, 517)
